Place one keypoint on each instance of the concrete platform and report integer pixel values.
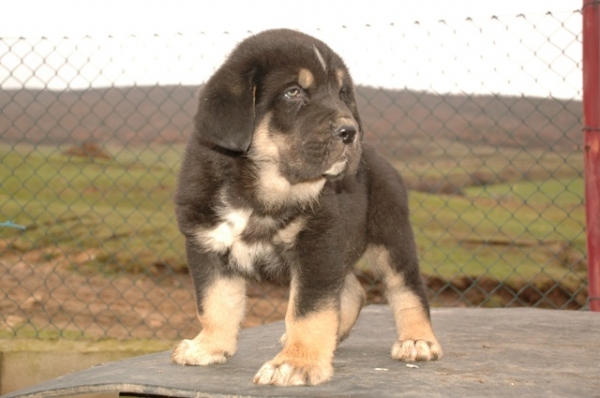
(488, 352)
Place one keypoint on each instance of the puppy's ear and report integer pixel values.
(225, 116)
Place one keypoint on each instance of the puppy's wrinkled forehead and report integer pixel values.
(331, 67)
(308, 60)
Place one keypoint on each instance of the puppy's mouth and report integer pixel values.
(337, 169)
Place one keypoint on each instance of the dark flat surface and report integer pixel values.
(487, 352)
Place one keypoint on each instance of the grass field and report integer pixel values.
(122, 207)
(514, 217)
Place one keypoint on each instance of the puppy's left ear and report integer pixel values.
(225, 116)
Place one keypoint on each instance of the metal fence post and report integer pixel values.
(591, 110)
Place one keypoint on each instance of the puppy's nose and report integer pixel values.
(346, 133)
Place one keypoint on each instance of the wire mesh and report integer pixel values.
(481, 116)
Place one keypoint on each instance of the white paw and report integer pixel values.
(193, 352)
(286, 374)
(416, 350)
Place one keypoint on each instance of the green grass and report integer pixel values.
(123, 207)
(516, 215)
(523, 222)
(530, 231)
(28, 331)
(464, 165)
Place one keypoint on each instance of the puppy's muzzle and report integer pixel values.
(346, 133)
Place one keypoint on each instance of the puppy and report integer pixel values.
(276, 186)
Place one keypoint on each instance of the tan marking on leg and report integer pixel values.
(340, 74)
(224, 306)
(416, 340)
(307, 355)
(305, 78)
(352, 299)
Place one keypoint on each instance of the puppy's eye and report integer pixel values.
(344, 92)
(293, 92)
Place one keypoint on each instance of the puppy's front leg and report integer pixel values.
(220, 302)
(311, 337)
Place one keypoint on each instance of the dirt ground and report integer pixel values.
(51, 291)
(50, 296)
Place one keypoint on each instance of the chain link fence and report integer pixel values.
(481, 116)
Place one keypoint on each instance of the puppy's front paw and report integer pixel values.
(289, 374)
(416, 350)
(197, 352)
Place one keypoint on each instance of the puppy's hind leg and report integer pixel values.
(352, 299)
(391, 237)
(406, 296)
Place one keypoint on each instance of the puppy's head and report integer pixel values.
(286, 99)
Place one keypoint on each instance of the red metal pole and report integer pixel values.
(591, 148)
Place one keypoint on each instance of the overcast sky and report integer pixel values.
(378, 39)
(91, 17)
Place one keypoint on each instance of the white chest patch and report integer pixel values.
(226, 236)
(222, 236)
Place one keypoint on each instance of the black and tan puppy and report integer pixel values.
(276, 186)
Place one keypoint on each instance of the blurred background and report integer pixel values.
(477, 104)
